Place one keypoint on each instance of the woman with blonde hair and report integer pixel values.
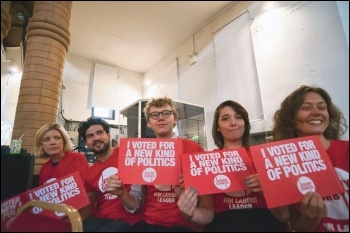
(52, 141)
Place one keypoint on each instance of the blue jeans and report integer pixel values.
(94, 224)
(142, 226)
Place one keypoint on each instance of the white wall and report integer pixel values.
(343, 7)
(78, 79)
(301, 43)
(296, 43)
(292, 50)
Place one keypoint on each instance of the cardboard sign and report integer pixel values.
(149, 160)
(217, 171)
(9, 208)
(290, 168)
(67, 190)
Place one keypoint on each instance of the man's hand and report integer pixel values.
(115, 185)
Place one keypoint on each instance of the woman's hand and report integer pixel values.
(179, 189)
(252, 181)
(312, 206)
(187, 203)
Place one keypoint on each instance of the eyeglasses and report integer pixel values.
(155, 115)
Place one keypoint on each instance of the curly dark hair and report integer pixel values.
(285, 118)
(217, 136)
(84, 125)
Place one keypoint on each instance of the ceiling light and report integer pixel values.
(268, 6)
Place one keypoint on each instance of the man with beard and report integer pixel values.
(115, 212)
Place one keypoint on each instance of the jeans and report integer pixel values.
(94, 224)
(142, 226)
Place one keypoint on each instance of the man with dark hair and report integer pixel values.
(109, 212)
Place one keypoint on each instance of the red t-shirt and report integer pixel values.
(109, 206)
(338, 205)
(161, 201)
(71, 162)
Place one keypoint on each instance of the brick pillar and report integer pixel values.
(48, 39)
(5, 19)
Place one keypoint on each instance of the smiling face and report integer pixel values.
(97, 140)
(312, 117)
(231, 125)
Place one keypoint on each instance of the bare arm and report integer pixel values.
(282, 213)
(312, 209)
(86, 211)
(198, 209)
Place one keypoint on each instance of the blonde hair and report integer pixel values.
(67, 144)
(160, 102)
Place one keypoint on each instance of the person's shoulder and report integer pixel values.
(343, 143)
(48, 163)
(115, 152)
(71, 153)
(75, 155)
(338, 146)
(189, 143)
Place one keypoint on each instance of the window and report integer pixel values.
(105, 113)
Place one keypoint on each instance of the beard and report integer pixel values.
(101, 150)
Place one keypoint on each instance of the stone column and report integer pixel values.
(5, 19)
(48, 38)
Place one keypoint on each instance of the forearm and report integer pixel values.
(85, 212)
(204, 212)
(281, 213)
(203, 216)
(304, 224)
(134, 199)
(128, 200)
(308, 215)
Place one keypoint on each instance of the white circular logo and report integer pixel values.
(50, 180)
(222, 182)
(305, 184)
(149, 174)
(102, 182)
(59, 214)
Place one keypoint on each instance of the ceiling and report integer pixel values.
(134, 35)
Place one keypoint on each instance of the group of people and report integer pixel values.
(115, 206)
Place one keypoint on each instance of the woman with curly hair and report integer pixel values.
(310, 111)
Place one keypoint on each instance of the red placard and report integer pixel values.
(290, 168)
(217, 171)
(149, 160)
(9, 208)
(67, 190)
